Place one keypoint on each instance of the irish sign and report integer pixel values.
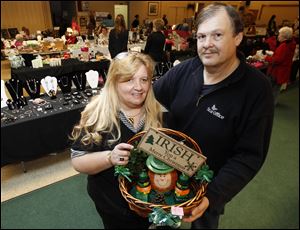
(171, 151)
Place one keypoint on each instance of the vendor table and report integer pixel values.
(69, 66)
(41, 131)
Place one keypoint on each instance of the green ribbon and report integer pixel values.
(160, 217)
(121, 170)
(204, 174)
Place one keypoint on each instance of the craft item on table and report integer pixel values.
(142, 188)
(16, 61)
(32, 87)
(163, 179)
(182, 189)
(4, 97)
(55, 62)
(37, 63)
(15, 88)
(50, 86)
(92, 78)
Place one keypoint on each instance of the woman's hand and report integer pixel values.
(198, 211)
(120, 154)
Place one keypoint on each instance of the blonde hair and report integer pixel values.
(158, 24)
(102, 113)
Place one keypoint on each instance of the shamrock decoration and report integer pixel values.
(160, 217)
(204, 174)
(122, 171)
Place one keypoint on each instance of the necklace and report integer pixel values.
(130, 118)
(15, 91)
(34, 91)
(160, 71)
(169, 64)
(79, 84)
(62, 81)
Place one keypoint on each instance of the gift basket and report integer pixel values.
(138, 160)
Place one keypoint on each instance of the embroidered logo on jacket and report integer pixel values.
(214, 111)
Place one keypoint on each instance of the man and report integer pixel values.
(222, 103)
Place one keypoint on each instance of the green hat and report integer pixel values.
(158, 166)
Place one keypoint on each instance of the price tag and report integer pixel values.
(177, 211)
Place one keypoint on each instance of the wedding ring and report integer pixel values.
(121, 158)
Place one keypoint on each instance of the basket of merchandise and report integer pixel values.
(149, 182)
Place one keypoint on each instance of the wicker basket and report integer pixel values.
(144, 208)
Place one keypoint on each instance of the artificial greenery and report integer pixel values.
(136, 164)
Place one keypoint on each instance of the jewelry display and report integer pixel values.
(15, 88)
(48, 106)
(88, 93)
(160, 68)
(32, 87)
(92, 78)
(7, 118)
(169, 65)
(79, 81)
(65, 84)
(10, 104)
(50, 86)
(75, 101)
(4, 97)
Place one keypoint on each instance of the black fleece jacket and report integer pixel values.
(232, 124)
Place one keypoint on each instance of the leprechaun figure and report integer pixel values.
(163, 180)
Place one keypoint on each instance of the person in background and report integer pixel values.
(247, 16)
(91, 24)
(280, 62)
(103, 36)
(271, 40)
(165, 21)
(125, 106)
(74, 25)
(272, 26)
(108, 22)
(118, 37)
(156, 41)
(224, 104)
(135, 23)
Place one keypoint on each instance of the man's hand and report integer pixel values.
(198, 211)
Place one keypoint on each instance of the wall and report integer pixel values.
(35, 15)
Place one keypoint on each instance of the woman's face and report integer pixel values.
(132, 93)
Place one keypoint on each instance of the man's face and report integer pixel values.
(216, 43)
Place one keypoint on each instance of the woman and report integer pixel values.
(156, 41)
(272, 27)
(281, 61)
(118, 37)
(125, 106)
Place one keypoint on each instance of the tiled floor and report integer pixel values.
(40, 172)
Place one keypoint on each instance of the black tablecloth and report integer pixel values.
(69, 66)
(42, 133)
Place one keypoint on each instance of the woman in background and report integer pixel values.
(118, 37)
(281, 61)
(156, 41)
